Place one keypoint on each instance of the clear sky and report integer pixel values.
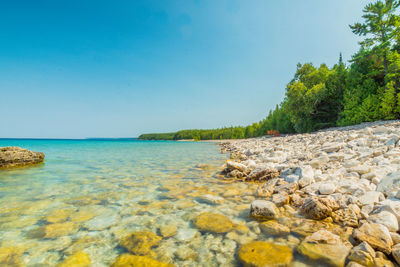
(74, 69)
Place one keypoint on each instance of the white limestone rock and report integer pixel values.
(385, 218)
(327, 188)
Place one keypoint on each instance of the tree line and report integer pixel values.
(318, 97)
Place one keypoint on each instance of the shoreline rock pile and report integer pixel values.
(11, 157)
(349, 176)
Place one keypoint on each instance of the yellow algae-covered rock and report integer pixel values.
(10, 256)
(230, 193)
(127, 260)
(59, 216)
(81, 243)
(39, 207)
(59, 229)
(265, 254)
(184, 204)
(213, 222)
(79, 259)
(82, 215)
(186, 253)
(324, 247)
(168, 230)
(273, 228)
(14, 207)
(140, 243)
(242, 229)
(20, 222)
(156, 205)
(84, 201)
(241, 207)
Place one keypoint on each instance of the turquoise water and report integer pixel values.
(95, 193)
(89, 195)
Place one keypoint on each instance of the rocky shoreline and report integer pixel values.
(12, 157)
(347, 177)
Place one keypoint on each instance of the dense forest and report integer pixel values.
(367, 89)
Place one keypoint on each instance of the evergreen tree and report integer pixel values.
(381, 24)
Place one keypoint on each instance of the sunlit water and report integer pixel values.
(101, 191)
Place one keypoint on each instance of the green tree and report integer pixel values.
(381, 24)
(364, 83)
(308, 98)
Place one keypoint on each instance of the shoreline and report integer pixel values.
(349, 176)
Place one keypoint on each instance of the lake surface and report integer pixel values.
(109, 189)
(90, 195)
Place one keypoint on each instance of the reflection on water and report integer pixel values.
(89, 197)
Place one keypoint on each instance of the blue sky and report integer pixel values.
(74, 69)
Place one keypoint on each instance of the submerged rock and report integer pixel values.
(265, 254)
(273, 228)
(211, 199)
(11, 157)
(324, 247)
(54, 230)
(186, 253)
(107, 219)
(213, 222)
(140, 243)
(59, 216)
(11, 256)
(79, 259)
(168, 230)
(127, 260)
(264, 209)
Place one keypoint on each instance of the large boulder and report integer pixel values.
(376, 235)
(318, 208)
(324, 247)
(363, 254)
(385, 218)
(11, 157)
(390, 205)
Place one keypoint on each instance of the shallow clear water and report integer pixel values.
(95, 193)
(118, 182)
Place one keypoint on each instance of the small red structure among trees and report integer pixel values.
(274, 133)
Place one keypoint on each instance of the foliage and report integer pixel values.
(157, 136)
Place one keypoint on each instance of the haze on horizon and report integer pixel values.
(75, 69)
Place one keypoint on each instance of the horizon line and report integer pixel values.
(76, 139)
